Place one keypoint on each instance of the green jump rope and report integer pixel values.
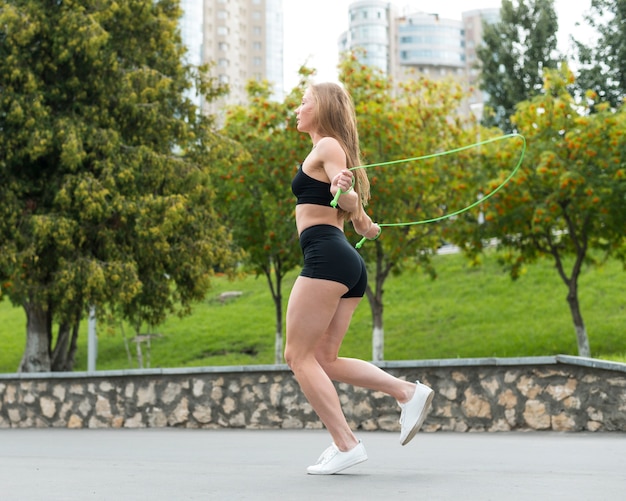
(434, 155)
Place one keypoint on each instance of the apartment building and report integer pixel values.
(404, 41)
(243, 38)
(473, 27)
(372, 28)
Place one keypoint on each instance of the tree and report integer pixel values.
(399, 121)
(105, 166)
(257, 194)
(514, 55)
(568, 202)
(603, 66)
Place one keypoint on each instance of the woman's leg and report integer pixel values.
(312, 307)
(414, 398)
(353, 371)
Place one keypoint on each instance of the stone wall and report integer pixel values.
(547, 393)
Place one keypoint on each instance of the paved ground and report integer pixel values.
(176, 464)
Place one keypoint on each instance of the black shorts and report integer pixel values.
(329, 256)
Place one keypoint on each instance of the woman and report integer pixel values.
(333, 280)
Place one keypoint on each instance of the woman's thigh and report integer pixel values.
(312, 306)
(328, 348)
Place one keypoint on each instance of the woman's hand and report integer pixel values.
(373, 232)
(364, 226)
(369, 231)
(348, 200)
(342, 181)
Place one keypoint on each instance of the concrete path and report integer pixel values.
(178, 464)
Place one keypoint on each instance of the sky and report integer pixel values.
(312, 28)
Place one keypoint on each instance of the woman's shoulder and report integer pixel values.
(328, 142)
(329, 149)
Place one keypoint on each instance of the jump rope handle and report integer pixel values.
(365, 239)
(335, 202)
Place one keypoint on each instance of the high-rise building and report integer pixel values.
(371, 29)
(430, 45)
(405, 42)
(402, 41)
(473, 25)
(243, 39)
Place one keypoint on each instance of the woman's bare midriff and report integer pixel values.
(308, 215)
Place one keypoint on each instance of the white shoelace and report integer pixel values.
(328, 454)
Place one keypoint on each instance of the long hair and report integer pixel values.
(336, 118)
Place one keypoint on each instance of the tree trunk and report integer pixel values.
(59, 352)
(378, 332)
(278, 345)
(71, 355)
(138, 349)
(375, 298)
(579, 325)
(580, 242)
(378, 344)
(36, 356)
(273, 273)
(64, 352)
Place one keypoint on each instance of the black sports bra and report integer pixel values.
(309, 190)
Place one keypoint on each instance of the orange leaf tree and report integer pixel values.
(570, 196)
(256, 195)
(403, 120)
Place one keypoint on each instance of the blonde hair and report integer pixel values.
(336, 118)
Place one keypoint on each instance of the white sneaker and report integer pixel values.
(333, 460)
(414, 412)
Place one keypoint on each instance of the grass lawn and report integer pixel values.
(465, 312)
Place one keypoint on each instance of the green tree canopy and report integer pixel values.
(568, 202)
(105, 166)
(514, 55)
(603, 65)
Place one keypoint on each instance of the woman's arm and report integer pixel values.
(364, 225)
(333, 159)
(349, 201)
